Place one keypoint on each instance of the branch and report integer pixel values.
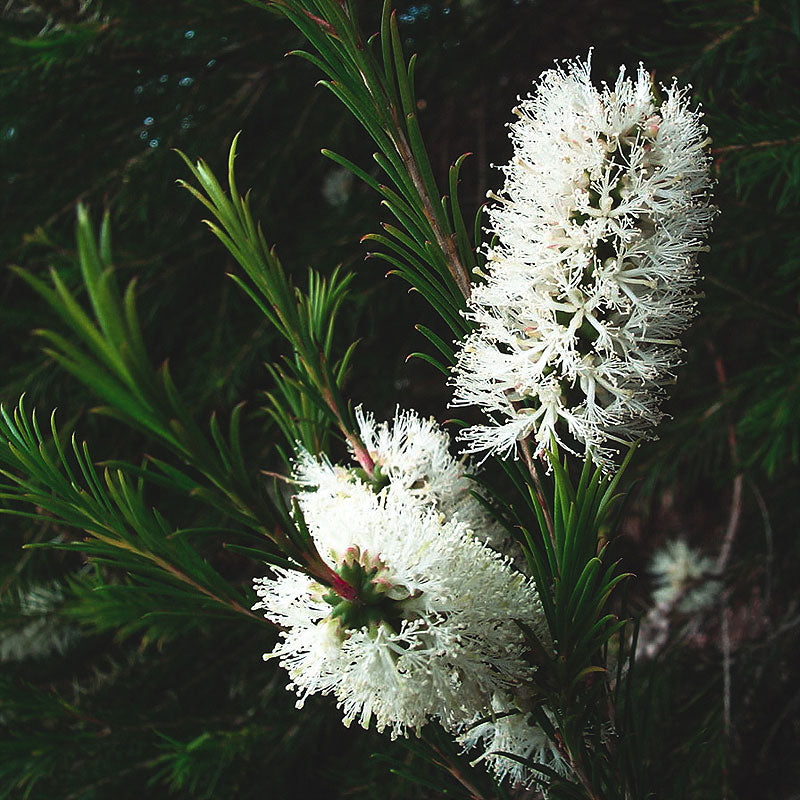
(445, 242)
(731, 148)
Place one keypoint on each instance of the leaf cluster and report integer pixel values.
(307, 399)
(432, 249)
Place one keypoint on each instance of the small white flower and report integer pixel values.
(410, 453)
(604, 210)
(415, 453)
(509, 730)
(683, 578)
(426, 627)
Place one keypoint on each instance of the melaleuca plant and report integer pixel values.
(428, 596)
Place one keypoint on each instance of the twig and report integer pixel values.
(722, 38)
(357, 445)
(176, 573)
(446, 243)
(736, 495)
(85, 791)
(733, 523)
(734, 518)
(454, 770)
(762, 506)
(730, 148)
(576, 767)
(726, 685)
(748, 297)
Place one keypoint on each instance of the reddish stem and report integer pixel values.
(323, 23)
(362, 455)
(343, 588)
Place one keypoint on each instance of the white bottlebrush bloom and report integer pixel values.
(512, 731)
(683, 578)
(425, 627)
(604, 210)
(413, 454)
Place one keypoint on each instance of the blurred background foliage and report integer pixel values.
(95, 95)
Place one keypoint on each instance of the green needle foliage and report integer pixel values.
(308, 382)
(566, 542)
(123, 531)
(431, 250)
(115, 365)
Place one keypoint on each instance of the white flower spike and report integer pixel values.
(604, 210)
(420, 625)
(425, 626)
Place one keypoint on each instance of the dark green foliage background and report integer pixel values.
(92, 102)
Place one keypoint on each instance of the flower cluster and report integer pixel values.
(412, 454)
(421, 624)
(507, 729)
(415, 453)
(684, 578)
(604, 210)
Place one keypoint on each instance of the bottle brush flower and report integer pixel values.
(421, 622)
(590, 277)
